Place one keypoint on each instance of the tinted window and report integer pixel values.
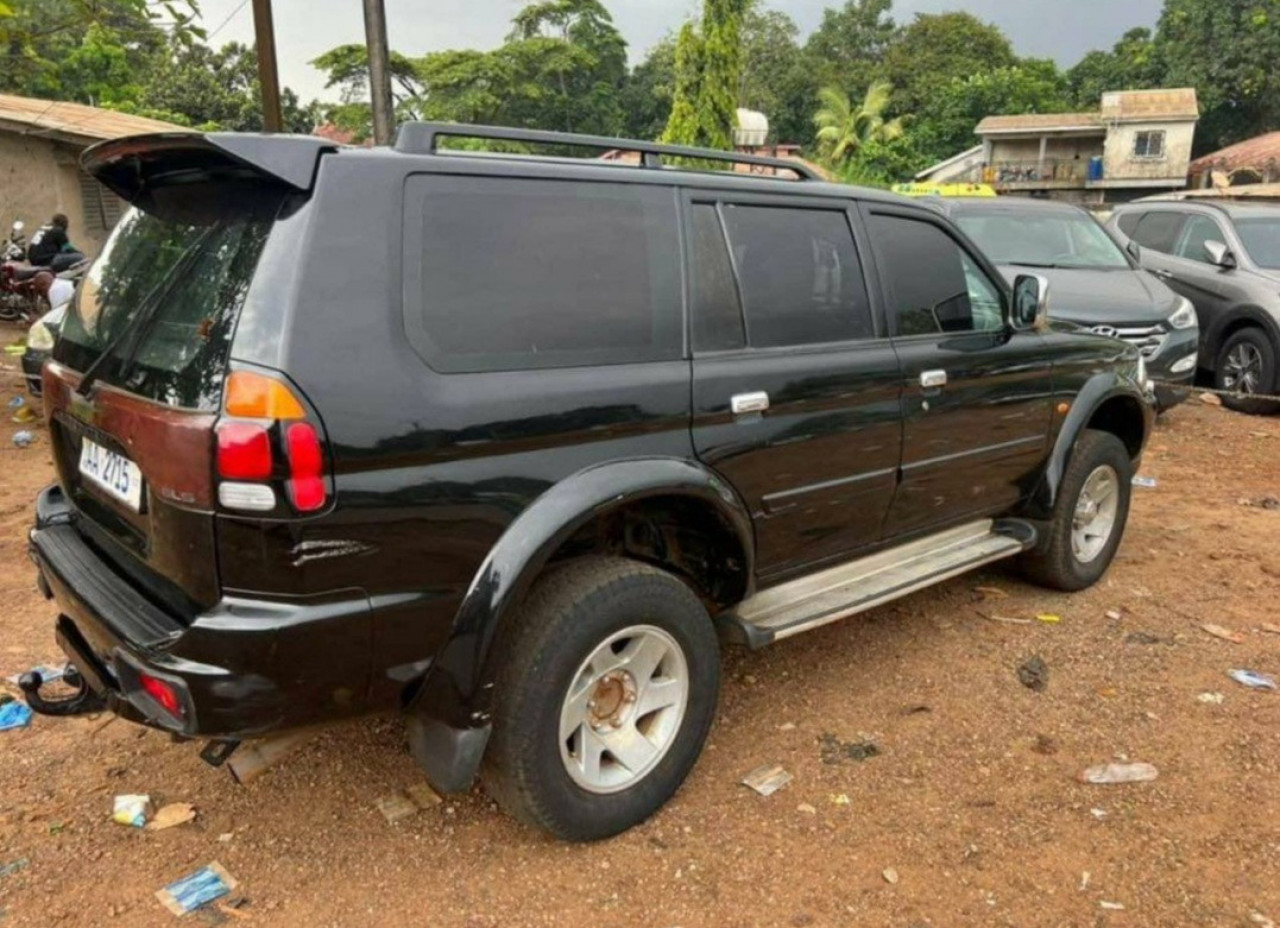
(932, 285)
(508, 274)
(1128, 223)
(164, 295)
(800, 276)
(1200, 229)
(1261, 238)
(1159, 230)
(717, 312)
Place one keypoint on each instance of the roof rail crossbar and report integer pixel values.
(422, 138)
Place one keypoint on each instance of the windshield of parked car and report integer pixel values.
(1042, 238)
(1261, 239)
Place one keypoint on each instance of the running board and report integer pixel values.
(834, 594)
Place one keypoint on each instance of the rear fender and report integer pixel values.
(1097, 391)
(455, 690)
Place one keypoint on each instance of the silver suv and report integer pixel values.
(1224, 257)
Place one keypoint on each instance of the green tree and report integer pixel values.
(845, 127)
(777, 78)
(647, 93)
(937, 48)
(1226, 49)
(709, 59)
(682, 125)
(1132, 64)
(1031, 86)
(849, 45)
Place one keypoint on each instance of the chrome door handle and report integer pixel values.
(745, 403)
(932, 379)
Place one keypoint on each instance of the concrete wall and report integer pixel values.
(1058, 149)
(1120, 164)
(40, 177)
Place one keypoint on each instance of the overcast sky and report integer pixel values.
(1059, 29)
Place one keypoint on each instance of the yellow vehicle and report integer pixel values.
(929, 189)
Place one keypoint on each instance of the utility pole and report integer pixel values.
(375, 28)
(264, 32)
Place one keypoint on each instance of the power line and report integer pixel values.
(243, 4)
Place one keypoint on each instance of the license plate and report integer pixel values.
(112, 472)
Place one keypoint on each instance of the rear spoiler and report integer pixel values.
(132, 167)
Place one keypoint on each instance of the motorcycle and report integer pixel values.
(15, 247)
(20, 301)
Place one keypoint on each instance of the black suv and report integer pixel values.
(501, 441)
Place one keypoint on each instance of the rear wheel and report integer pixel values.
(1247, 365)
(1089, 516)
(606, 690)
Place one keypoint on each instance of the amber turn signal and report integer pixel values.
(254, 396)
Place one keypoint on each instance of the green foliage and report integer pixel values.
(1132, 64)
(843, 127)
(778, 77)
(647, 94)
(936, 49)
(848, 47)
(682, 125)
(1227, 51)
(721, 72)
(1031, 86)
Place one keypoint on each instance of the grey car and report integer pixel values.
(1224, 257)
(1093, 281)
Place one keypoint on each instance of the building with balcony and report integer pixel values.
(1137, 144)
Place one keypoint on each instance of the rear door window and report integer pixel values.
(509, 274)
(164, 297)
(1159, 230)
(799, 274)
(1128, 222)
(717, 310)
(932, 284)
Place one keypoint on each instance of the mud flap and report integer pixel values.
(450, 757)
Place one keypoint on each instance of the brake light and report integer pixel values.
(244, 451)
(163, 693)
(254, 396)
(306, 467)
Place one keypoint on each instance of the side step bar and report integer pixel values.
(847, 589)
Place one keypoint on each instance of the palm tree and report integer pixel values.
(843, 128)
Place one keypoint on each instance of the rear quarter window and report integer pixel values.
(510, 274)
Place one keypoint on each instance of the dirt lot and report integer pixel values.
(972, 799)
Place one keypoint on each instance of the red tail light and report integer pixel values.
(162, 693)
(244, 451)
(307, 490)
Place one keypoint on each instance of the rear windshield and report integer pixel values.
(164, 296)
(1049, 238)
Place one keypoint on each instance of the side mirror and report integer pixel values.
(1134, 249)
(1030, 302)
(1220, 255)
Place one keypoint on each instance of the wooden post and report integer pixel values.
(268, 73)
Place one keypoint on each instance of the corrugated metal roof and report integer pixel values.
(50, 117)
(1039, 121)
(1258, 152)
(1171, 103)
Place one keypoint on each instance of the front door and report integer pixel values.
(795, 391)
(976, 396)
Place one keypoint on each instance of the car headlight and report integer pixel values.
(39, 338)
(1184, 317)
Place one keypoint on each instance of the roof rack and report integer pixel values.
(422, 138)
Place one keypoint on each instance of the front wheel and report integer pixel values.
(1088, 518)
(1247, 365)
(606, 690)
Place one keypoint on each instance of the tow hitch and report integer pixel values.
(84, 701)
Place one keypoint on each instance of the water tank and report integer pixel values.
(752, 130)
(1095, 167)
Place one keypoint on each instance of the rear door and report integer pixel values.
(153, 325)
(975, 396)
(795, 389)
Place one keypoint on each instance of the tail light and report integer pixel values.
(266, 439)
(163, 693)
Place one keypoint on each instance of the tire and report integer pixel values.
(1062, 562)
(1247, 362)
(560, 649)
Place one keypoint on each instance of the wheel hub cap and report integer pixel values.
(1095, 515)
(623, 709)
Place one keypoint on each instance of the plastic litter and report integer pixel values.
(198, 889)
(14, 715)
(17, 402)
(1148, 483)
(767, 780)
(25, 415)
(24, 438)
(1049, 618)
(1109, 774)
(175, 813)
(13, 867)
(132, 810)
(806, 809)
(1211, 699)
(1112, 906)
(1253, 679)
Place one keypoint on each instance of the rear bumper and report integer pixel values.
(241, 669)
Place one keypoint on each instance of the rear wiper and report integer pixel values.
(147, 309)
